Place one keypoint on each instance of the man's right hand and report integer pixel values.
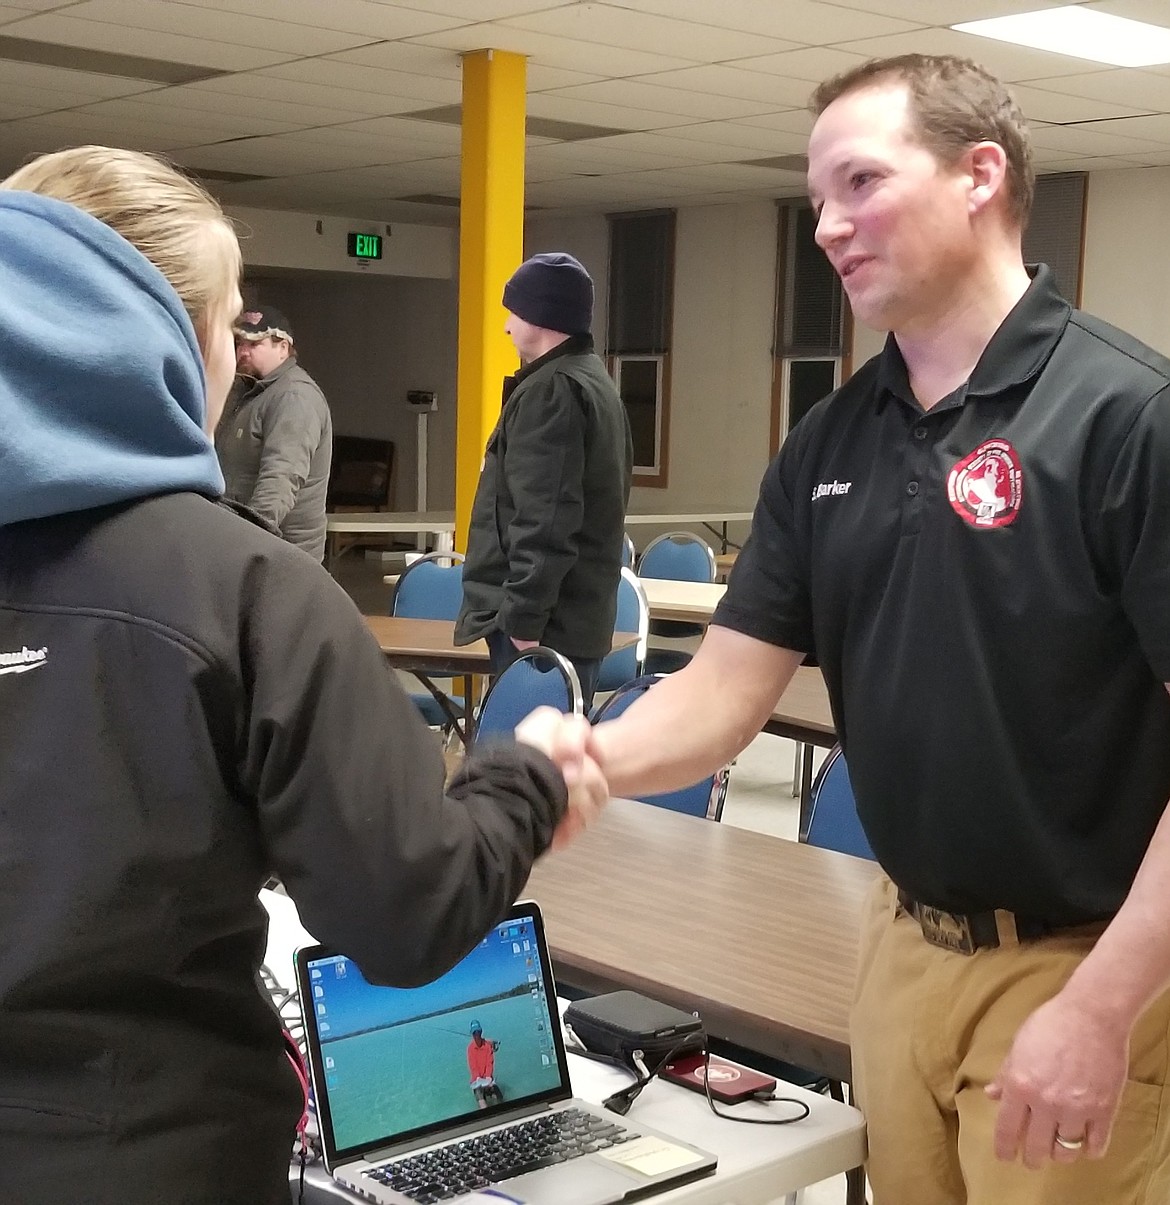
(567, 740)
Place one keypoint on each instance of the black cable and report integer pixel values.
(753, 1121)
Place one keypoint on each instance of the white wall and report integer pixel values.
(721, 358)
(587, 238)
(274, 238)
(1127, 252)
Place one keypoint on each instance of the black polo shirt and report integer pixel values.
(987, 588)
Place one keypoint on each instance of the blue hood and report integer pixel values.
(102, 394)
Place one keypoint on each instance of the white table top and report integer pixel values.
(391, 521)
(701, 516)
(757, 1164)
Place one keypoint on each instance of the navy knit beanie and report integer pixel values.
(553, 291)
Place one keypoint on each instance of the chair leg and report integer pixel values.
(797, 760)
(855, 1186)
(793, 1198)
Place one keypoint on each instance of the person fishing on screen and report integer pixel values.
(481, 1063)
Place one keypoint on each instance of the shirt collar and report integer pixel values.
(1017, 351)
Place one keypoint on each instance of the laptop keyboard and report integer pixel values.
(502, 1154)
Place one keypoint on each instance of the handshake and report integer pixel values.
(570, 743)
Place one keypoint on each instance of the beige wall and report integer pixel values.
(273, 238)
(1127, 252)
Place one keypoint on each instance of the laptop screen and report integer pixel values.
(395, 1063)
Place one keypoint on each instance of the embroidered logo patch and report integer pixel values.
(986, 488)
(252, 317)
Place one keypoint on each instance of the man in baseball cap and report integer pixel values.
(275, 440)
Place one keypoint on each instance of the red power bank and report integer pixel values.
(730, 1082)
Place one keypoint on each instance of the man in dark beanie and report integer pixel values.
(544, 552)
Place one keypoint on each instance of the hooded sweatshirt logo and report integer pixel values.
(23, 660)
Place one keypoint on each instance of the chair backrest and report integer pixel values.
(629, 552)
(679, 556)
(539, 677)
(703, 798)
(633, 615)
(832, 821)
(430, 588)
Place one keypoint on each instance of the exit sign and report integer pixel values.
(365, 246)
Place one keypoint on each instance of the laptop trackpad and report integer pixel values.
(579, 1182)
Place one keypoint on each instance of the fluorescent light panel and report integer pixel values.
(1082, 33)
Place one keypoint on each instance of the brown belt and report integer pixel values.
(966, 932)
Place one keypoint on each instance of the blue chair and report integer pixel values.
(431, 588)
(832, 818)
(539, 677)
(682, 557)
(704, 798)
(633, 615)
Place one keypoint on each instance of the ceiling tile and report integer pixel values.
(734, 134)
(336, 72)
(599, 154)
(1143, 90)
(175, 119)
(216, 25)
(689, 151)
(810, 65)
(627, 29)
(805, 21)
(1153, 11)
(147, 43)
(437, 137)
(197, 99)
(719, 79)
(372, 19)
(618, 117)
(55, 130)
(64, 87)
(1090, 140)
(634, 94)
(485, 10)
(793, 121)
(551, 51)
(1010, 63)
(1039, 105)
(1152, 127)
(272, 87)
(931, 12)
(277, 155)
(412, 57)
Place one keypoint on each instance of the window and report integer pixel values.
(1055, 233)
(812, 322)
(641, 282)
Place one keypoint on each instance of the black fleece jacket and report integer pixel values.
(188, 704)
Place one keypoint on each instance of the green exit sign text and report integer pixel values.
(365, 246)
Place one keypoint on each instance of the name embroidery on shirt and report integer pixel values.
(831, 487)
(986, 488)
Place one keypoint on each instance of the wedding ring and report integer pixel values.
(1069, 1144)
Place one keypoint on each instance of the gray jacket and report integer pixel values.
(275, 444)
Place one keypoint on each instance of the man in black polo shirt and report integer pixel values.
(973, 534)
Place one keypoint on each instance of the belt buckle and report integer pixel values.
(946, 929)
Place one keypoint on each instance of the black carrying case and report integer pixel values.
(627, 1026)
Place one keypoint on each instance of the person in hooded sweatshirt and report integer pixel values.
(188, 705)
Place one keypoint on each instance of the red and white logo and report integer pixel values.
(986, 488)
(253, 317)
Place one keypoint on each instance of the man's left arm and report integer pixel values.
(544, 465)
(1068, 1064)
(291, 432)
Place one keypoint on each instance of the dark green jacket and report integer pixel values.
(544, 552)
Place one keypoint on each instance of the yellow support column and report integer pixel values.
(491, 246)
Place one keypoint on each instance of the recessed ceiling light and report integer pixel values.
(1083, 33)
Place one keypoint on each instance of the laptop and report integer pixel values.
(459, 1090)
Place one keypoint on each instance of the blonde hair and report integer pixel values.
(170, 218)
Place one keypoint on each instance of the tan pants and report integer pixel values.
(930, 1029)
